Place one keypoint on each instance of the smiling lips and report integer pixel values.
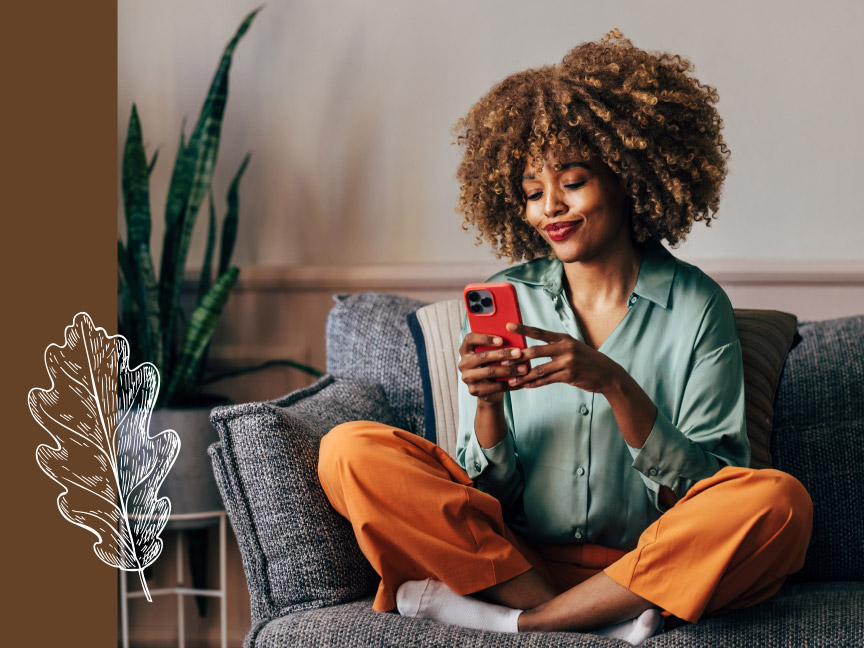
(562, 229)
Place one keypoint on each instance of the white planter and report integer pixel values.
(190, 484)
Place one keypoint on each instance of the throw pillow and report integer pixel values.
(366, 337)
(766, 337)
(435, 329)
(269, 481)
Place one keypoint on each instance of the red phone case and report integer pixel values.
(505, 309)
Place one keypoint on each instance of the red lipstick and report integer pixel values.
(562, 229)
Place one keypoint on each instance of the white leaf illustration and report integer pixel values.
(98, 412)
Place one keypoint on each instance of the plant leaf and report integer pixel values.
(178, 194)
(136, 187)
(181, 178)
(200, 330)
(201, 155)
(207, 268)
(152, 162)
(98, 412)
(229, 225)
(129, 309)
(149, 331)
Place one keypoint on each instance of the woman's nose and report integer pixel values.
(553, 204)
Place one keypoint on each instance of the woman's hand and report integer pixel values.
(479, 371)
(572, 362)
(575, 363)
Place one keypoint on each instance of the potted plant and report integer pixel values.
(151, 316)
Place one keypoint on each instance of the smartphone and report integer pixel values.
(490, 306)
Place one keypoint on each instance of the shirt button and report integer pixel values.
(632, 299)
(653, 471)
(580, 470)
(477, 465)
(578, 534)
(584, 410)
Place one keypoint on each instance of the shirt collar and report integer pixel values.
(654, 281)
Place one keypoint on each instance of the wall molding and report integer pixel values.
(407, 277)
(280, 312)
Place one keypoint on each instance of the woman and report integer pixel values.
(603, 485)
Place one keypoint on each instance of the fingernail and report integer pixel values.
(512, 381)
(496, 340)
(515, 353)
(522, 369)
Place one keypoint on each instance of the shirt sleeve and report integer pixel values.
(494, 470)
(709, 430)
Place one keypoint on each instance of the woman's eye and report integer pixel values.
(574, 185)
(534, 196)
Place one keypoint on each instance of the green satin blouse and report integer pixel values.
(563, 472)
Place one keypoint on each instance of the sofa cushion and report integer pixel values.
(823, 379)
(298, 552)
(765, 335)
(817, 614)
(818, 428)
(367, 337)
(820, 456)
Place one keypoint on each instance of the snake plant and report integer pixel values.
(151, 316)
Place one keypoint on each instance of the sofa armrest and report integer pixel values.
(298, 552)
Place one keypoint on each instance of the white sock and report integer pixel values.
(637, 630)
(432, 599)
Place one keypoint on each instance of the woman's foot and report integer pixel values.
(432, 599)
(637, 630)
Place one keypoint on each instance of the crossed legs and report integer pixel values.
(595, 603)
(416, 516)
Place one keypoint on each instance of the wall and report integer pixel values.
(347, 109)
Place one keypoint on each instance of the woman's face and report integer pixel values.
(581, 210)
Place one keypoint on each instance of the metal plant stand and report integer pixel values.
(180, 590)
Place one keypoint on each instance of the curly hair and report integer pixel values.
(640, 113)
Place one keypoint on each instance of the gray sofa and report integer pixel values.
(310, 585)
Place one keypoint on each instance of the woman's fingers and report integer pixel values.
(533, 332)
(480, 358)
(473, 340)
(558, 376)
(542, 374)
(531, 380)
(493, 372)
(486, 371)
(540, 351)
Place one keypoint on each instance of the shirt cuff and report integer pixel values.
(495, 463)
(660, 458)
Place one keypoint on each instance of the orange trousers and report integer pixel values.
(729, 543)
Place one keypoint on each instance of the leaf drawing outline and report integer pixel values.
(98, 412)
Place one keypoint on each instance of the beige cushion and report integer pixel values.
(441, 324)
(766, 337)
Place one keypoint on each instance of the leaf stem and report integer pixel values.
(144, 585)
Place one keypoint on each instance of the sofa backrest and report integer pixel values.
(817, 436)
